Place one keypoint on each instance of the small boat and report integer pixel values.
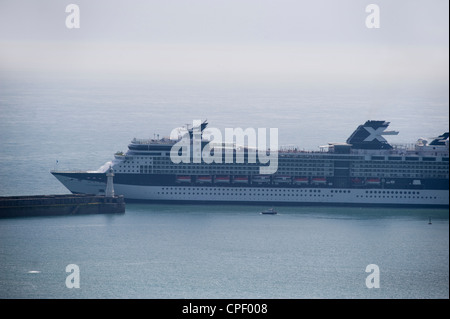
(319, 181)
(301, 180)
(269, 211)
(373, 181)
(240, 179)
(204, 179)
(261, 179)
(222, 179)
(183, 179)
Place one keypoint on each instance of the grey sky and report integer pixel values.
(290, 39)
(227, 21)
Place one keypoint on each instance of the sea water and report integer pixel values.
(175, 251)
(208, 251)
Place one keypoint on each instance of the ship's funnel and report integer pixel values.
(369, 136)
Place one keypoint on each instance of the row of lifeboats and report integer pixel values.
(368, 181)
(267, 179)
(255, 179)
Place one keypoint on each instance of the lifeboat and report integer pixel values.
(261, 179)
(240, 179)
(183, 179)
(204, 179)
(319, 181)
(282, 179)
(373, 181)
(301, 180)
(222, 179)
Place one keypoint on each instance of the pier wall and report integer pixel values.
(48, 205)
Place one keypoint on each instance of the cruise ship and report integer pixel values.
(364, 170)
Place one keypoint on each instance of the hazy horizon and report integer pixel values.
(226, 41)
(236, 63)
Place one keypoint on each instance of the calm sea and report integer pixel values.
(198, 251)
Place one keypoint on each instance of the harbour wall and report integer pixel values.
(54, 205)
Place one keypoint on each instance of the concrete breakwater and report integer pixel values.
(72, 204)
